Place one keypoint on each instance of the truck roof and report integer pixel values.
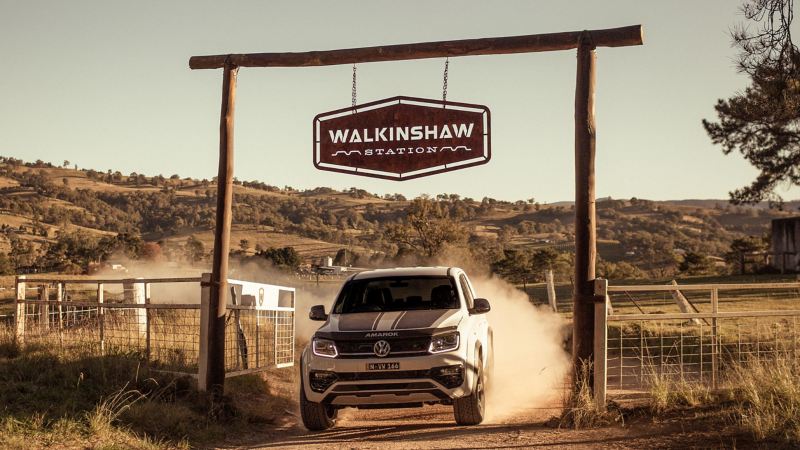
(404, 272)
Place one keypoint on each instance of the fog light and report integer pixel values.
(321, 380)
(449, 376)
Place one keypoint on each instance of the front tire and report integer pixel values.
(470, 410)
(316, 416)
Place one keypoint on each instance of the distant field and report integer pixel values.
(266, 237)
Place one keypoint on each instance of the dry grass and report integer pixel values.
(767, 397)
(581, 411)
(668, 391)
(71, 397)
(762, 398)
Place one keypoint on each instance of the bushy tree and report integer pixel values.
(515, 266)
(696, 264)
(763, 122)
(6, 266)
(426, 228)
(193, 249)
(284, 258)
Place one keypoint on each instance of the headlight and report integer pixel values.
(324, 347)
(444, 342)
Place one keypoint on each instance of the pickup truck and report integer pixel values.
(399, 338)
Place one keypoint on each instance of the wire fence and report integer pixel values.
(697, 333)
(124, 317)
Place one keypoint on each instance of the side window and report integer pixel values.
(467, 291)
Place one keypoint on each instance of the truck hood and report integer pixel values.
(394, 320)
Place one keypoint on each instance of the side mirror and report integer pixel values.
(317, 313)
(480, 306)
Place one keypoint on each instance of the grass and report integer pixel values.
(581, 411)
(77, 399)
(761, 398)
(767, 398)
(668, 391)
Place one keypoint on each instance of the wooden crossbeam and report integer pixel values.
(611, 37)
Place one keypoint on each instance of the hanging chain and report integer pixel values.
(354, 85)
(444, 83)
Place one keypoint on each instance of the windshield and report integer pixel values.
(397, 294)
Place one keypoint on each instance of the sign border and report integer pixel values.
(401, 99)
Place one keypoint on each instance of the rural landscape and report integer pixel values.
(607, 257)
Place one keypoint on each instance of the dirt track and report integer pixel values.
(433, 427)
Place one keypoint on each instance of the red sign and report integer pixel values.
(401, 138)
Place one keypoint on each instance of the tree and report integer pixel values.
(6, 267)
(285, 258)
(426, 228)
(515, 267)
(763, 122)
(150, 251)
(543, 259)
(740, 248)
(696, 264)
(193, 249)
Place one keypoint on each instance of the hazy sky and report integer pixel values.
(106, 85)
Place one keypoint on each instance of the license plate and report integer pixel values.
(383, 366)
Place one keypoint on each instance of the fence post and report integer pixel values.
(551, 289)
(601, 302)
(59, 299)
(101, 318)
(714, 338)
(205, 317)
(135, 293)
(21, 309)
(148, 318)
(44, 307)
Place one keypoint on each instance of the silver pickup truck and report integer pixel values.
(398, 338)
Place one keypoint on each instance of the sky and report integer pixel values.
(106, 85)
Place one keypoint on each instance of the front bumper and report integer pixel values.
(420, 379)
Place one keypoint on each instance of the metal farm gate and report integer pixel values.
(689, 333)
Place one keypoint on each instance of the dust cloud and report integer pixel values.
(168, 293)
(530, 362)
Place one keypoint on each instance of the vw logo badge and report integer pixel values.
(381, 348)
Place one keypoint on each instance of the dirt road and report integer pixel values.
(432, 427)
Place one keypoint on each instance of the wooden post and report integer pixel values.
(44, 307)
(222, 233)
(134, 292)
(683, 303)
(714, 338)
(205, 341)
(600, 365)
(148, 319)
(585, 232)
(101, 318)
(742, 270)
(19, 316)
(551, 289)
(60, 298)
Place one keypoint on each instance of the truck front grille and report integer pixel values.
(399, 347)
